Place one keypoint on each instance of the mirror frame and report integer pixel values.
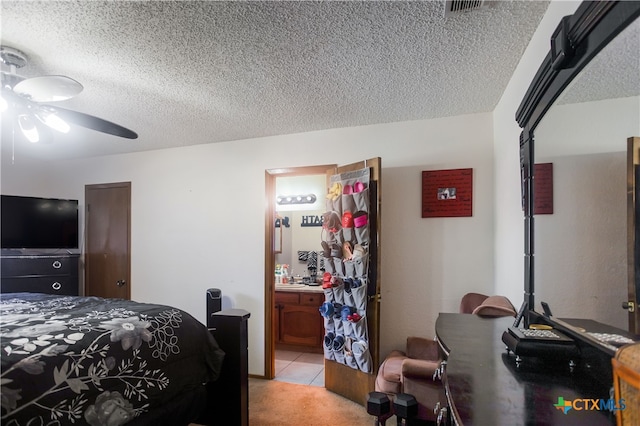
(277, 241)
(577, 39)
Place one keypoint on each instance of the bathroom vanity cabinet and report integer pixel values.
(298, 324)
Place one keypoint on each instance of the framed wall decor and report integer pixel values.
(447, 193)
(543, 188)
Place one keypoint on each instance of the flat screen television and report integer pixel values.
(38, 223)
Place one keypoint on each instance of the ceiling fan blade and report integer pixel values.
(48, 88)
(94, 123)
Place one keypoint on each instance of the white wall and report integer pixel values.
(198, 215)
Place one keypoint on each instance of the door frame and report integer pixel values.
(270, 177)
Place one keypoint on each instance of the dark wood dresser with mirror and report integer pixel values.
(497, 371)
(485, 385)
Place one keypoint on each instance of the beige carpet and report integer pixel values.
(278, 403)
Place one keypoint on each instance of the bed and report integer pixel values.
(87, 360)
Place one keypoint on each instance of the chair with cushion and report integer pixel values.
(412, 371)
(470, 301)
(486, 306)
(495, 306)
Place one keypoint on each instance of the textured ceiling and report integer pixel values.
(189, 72)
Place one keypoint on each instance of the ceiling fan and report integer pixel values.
(28, 99)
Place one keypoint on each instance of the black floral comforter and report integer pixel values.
(87, 360)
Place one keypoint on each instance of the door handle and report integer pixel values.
(629, 306)
(121, 283)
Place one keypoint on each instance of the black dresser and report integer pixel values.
(40, 273)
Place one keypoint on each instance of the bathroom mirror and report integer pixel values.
(300, 241)
(300, 223)
(576, 256)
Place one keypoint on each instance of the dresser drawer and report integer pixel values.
(22, 266)
(311, 299)
(62, 285)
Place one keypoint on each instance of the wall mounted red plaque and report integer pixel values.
(543, 188)
(447, 193)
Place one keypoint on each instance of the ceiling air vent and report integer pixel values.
(452, 7)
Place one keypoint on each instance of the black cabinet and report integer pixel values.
(52, 274)
(229, 328)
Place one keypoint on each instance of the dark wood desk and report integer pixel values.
(485, 387)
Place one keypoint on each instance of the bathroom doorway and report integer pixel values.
(299, 329)
(289, 361)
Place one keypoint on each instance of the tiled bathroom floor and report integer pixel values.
(299, 367)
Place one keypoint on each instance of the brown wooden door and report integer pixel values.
(633, 233)
(339, 378)
(108, 240)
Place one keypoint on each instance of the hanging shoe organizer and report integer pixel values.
(345, 251)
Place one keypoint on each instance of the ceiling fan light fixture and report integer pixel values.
(48, 88)
(12, 57)
(28, 128)
(27, 94)
(52, 120)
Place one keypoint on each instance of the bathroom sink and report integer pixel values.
(290, 286)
